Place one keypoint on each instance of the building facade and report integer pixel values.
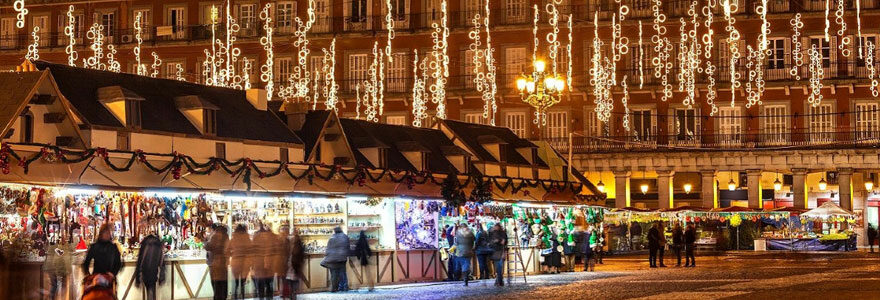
(683, 155)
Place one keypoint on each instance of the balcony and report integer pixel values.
(720, 142)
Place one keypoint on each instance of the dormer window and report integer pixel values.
(27, 127)
(383, 158)
(124, 104)
(201, 113)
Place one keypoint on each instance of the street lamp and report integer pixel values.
(541, 90)
(644, 188)
(823, 184)
(869, 186)
(731, 186)
(777, 185)
(600, 186)
(687, 188)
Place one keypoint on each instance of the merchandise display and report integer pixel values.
(416, 224)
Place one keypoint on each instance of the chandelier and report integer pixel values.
(541, 90)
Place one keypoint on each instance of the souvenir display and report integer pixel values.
(315, 218)
(374, 216)
(416, 226)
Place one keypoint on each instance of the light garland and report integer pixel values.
(33, 52)
(267, 70)
(246, 68)
(733, 48)
(601, 76)
(69, 31)
(440, 63)
(18, 6)
(140, 68)
(232, 52)
(299, 79)
(179, 75)
(490, 105)
(535, 20)
(96, 36)
(113, 65)
(816, 74)
(552, 37)
(872, 70)
(844, 40)
(797, 54)
(625, 101)
(662, 48)
(372, 100)
(709, 41)
(157, 63)
(419, 93)
(754, 97)
(859, 26)
(331, 89)
(641, 59)
(827, 21)
(568, 53)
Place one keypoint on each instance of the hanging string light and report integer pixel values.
(845, 39)
(419, 94)
(733, 37)
(372, 101)
(601, 76)
(859, 27)
(331, 89)
(641, 59)
(157, 63)
(535, 33)
(797, 54)
(477, 59)
(872, 71)
(568, 53)
(755, 64)
(625, 102)
(389, 25)
(246, 69)
(139, 66)
(827, 21)
(113, 65)
(553, 36)
(662, 48)
(267, 70)
(179, 75)
(299, 79)
(72, 55)
(33, 52)
(709, 44)
(96, 36)
(816, 74)
(232, 52)
(440, 62)
(18, 6)
(490, 91)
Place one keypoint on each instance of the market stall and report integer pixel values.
(825, 228)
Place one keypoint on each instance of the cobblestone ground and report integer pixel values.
(736, 276)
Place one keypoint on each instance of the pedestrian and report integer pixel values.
(451, 265)
(690, 239)
(150, 267)
(653, 244)
(635, 236)
(568, 250)
(59, 258)
(603, 238)
(677, 242)
(261, 264)
(216, 259)
(587, 250)
(238, 249)
(553, 260)
(282, 258)
(363, 253)
(872, 236)
(578, 237)
(295, 269)
(483, 251)
(464, 251)
(104, 253)
(662, 249)
(498, 243)
(338, 248)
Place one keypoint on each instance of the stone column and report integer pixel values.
(754, 185)
(799, 187)
(845, 190)
(709, 190)
(664, 189)
(621, 189)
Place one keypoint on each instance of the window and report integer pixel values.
(557, 125)
(867, 120)
(133, 113)
(398, 10)
(398, 73)
(729, 125)
(776, 59)
(220, 150)
(775, 129)
(43, 23)
(322, 15)
(123, 140)
(642, 124)
(247, 19)
(724, 56)
(146, 22)
(283, 155)
(356, 11)
(824, 51)
(641, 8)
(475, 118)
(395, 120)
(177, 20)
(433, 12)
(860, 59)
(210, 120)
(27, 127)
(77, 28)
(358, 70)
(516, 121)
(468, 72)
(515, 63)
(171, 69)
(685, 125)
(283, 70)
(284, 13)
(594, 126)
(517, 11)
(108, 20)
(821, 123)
(8, 37)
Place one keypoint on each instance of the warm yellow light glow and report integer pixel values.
(550, 83)
(521, 84)
(869, 186)
(823, 184)
(530, 86)
(644, 188)
(731, 186)
(777, 185)
(688, 187)
(600, 186)
(540, 65)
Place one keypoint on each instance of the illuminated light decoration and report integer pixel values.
(18, 6)
(662, 48)
(816, 74)
(625, 102)
(315, 93)
(372, 101)
(827, 21)
(419, 92)
(232, 53)
(553, 36)
(140, 68)
(859, 27)
(96, 36)
(389, 25)
(540, 90)
(602, 77)
(246, 68)
(477, 60)
(620, 43)
(157, 63)
(331, 89)
(755, 65)
(731, 186)
(440, 62)
(267, 70)
(844, 40)
(33, 52)
(688, 188)
(113, 65)
(733, 48)
(537, 15)
(357, 94)
(708, 45)
(214, 59)
(641, 59)
(872, 69)
(298, 86)
(797, 54)
(690, 52)
(72, 55)
(179, 74)
(491, 88)
(568, 53)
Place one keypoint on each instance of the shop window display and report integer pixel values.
(416, 224)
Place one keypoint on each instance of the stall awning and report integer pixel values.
(828, 209)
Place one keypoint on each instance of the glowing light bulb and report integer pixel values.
(600, 186)
(731, 186)
(687, 188)
(777, 185)
(521, 84)
(530, 86)
(869, 186)
(823, 184)
(540, 66)
(644, 188)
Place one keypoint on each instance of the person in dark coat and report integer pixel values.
(464, 251)
(553, 260)
(498, 243)
(653, 244)
(690, 240)
(295, 269)
(216, 259)
(451, 265)
(662, 249)
(578, 237)
(363, 253)
(872, 236)
(568, 250)
(483, 251)
(677, 243)
(104, 253)
(338, 248)
(150, 266)
(635, 236)
(587, 250)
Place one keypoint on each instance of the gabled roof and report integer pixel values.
(474, 136)
(16, 89)
(398, 139)
(236, 117)
(312, 129)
